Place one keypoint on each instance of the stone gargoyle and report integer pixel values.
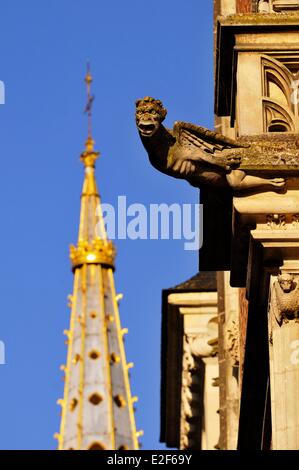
(196, 154)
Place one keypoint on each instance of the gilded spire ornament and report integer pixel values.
(97, 408)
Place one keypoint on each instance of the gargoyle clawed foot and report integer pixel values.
(239, 180)
(277, 182)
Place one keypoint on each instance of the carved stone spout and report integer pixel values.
(203, 157)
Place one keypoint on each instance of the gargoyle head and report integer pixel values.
(150, 113)
(286, 282)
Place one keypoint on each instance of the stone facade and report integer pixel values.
(265, 242)
(257, 258)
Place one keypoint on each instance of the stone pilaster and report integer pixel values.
(228, 315)
(272, 261)
(284, 359)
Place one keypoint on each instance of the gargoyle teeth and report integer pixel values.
(146, 127)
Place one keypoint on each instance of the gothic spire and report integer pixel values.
(97, 408)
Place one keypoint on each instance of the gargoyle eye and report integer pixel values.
(154, 111)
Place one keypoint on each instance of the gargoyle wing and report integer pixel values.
(190, 134)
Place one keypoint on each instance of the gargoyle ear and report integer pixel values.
(163, 112)
(137, 103)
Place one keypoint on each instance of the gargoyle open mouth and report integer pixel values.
(147, 128)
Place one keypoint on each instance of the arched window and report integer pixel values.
(277, 118)
(280, 110)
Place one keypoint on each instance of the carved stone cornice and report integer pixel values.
(271, 152)
(253, 19)
(269, 219)
(285, 5)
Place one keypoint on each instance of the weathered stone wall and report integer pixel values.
(245, 6)
(217, 8)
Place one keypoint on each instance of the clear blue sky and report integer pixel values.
(136, 48)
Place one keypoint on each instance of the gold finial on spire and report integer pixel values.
(89, 156)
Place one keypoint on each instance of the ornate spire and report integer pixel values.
(97, 408)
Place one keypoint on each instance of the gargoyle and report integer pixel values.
(194, 153)
(285, 299)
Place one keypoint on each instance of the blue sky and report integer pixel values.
(157, 48)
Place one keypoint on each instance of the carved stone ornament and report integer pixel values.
(275, 221)
(188, 413)
(232, 342)
(285, 299)
(195, 347)
(263, 7)
(202, 345)
(203, 157)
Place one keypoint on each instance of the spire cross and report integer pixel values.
(89, 156)
(90, 98)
